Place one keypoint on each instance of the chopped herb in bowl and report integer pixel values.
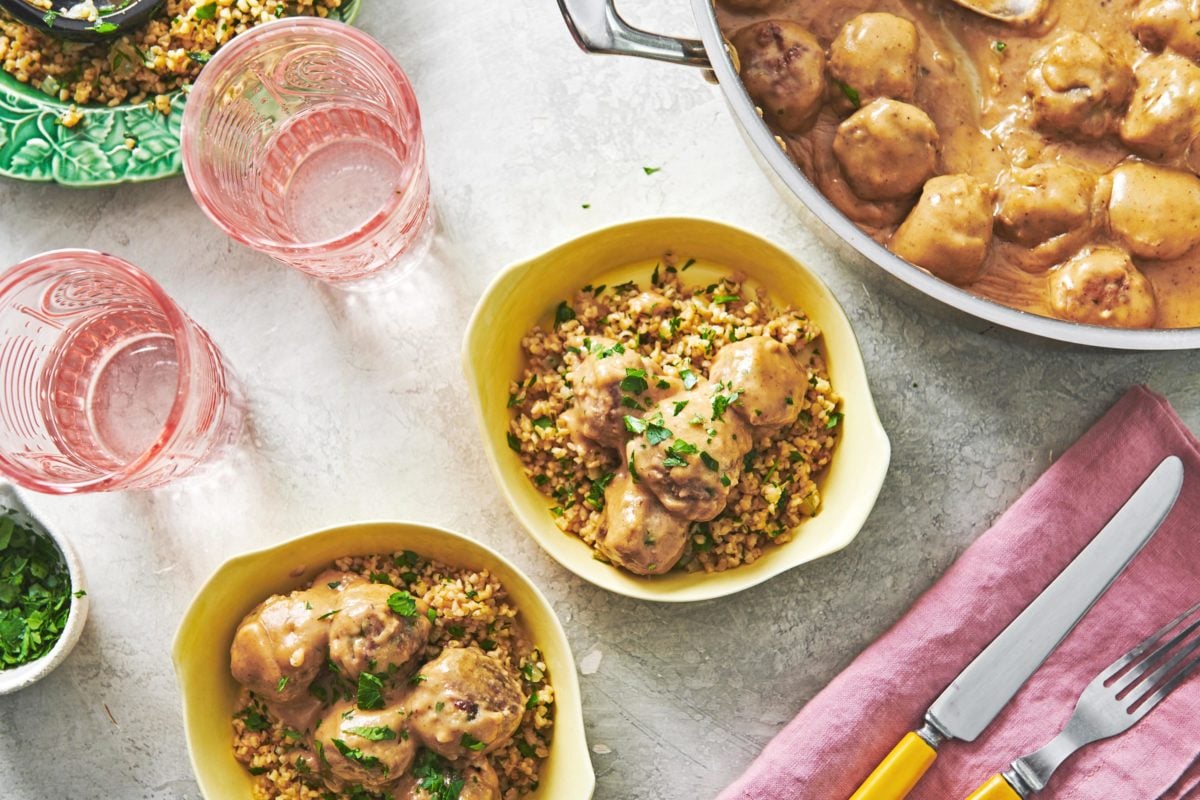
(35, 591)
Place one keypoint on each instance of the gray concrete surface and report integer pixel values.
(360, 411)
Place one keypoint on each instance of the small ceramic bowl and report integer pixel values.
(526, 294)
(201, 650)
(17, 678)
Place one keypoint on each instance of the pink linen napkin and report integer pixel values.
(839, 737)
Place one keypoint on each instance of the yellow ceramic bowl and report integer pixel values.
(527, 294)
(201, 651)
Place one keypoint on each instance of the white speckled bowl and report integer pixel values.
(526, 294)
(17, 678)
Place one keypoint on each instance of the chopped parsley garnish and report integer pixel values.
(334, 584)
(370, 692)
(721, 403)
(378, 733)
(199, 56)
(680, 447)
(635, 425)
(105, 27)
(834, 419)
(689, 379)
(657, 434)
(417, 679)
(586, 205)
(487, 645)
(542, 423)
(254, 721)
(709, 461)
(634, 381)
(407, 559)
(403, 603)
(206, 12)
(532, 701)
(564, 313)
(595, 495)
(437, 777)
(851, 94)
(654, 276)
(381, 577)
(35, 593)
(514, 443)
(431, 615)
(471, 743)
(527, 750)
(457, 631)
(999, 46)
(356, 755)
(725, 480)
(633, 470)
(49, 17)
(724, 299)
(651, 170)
(687, 265)
(329, 614)
(279, 687)
(680, 405)
(748, 460)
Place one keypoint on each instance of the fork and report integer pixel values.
(1121, 695)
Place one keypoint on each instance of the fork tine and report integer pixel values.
(1147, 685)
(1168, 687)
(1134, 675)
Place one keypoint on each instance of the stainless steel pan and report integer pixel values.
(598, 28)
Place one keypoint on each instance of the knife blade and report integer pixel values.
(988, 683)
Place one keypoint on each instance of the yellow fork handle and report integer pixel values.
(995, 789)
(897, 774)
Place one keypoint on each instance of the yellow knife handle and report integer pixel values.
(897, 774)
(995, 789)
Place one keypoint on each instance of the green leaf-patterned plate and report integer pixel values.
(35, 147)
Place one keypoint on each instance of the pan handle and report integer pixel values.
(598, 28)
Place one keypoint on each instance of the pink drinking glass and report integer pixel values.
(104, 382)
(302, 139)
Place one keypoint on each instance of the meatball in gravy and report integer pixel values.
(887, 150)
(368, 635)
(368, 748)
(639, 534)
(783, 67)
(949, 231)
(1102, 287)
(1077, 87)
(873, 56)
(465, 704)
(1154, 212)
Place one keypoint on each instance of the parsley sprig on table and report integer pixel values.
(35, 593)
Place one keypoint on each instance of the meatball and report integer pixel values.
(768, 377)
(1153, 210)
(371, 748)
(887, 150)
(1077, 87)
(1169, 24)
(875, 55)
(1102, 287)
(467, 704)
(1164, 117)
(368, 635)
(949, 231)
(1050, 208)
(690, 453)
(279, 648)
(783, 68)
(601, 380)
(479, 780)
(639, 534)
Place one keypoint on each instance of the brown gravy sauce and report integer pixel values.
(975, 92)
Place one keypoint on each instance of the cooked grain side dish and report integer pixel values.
(144, 65)
(391, 677)
(1054, 168)
(675, 427)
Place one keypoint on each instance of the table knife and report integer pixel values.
(989, 682)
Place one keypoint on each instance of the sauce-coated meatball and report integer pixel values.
(692, 456)
(949, 231)
(783, 68)
(279, 648)
(466, 704)
(1154, 211)
(367, 635)
(479, 781)
(875, 55)
(768, 377)
(1049, 208)
(597, 383)
(639, 534)
(371, 748)
(1164, 116)
(1169, 24)
(1103, 287)
(887, 150)
(1078, 87)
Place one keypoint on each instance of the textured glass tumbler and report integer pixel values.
(302, 139)
(106, 384)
